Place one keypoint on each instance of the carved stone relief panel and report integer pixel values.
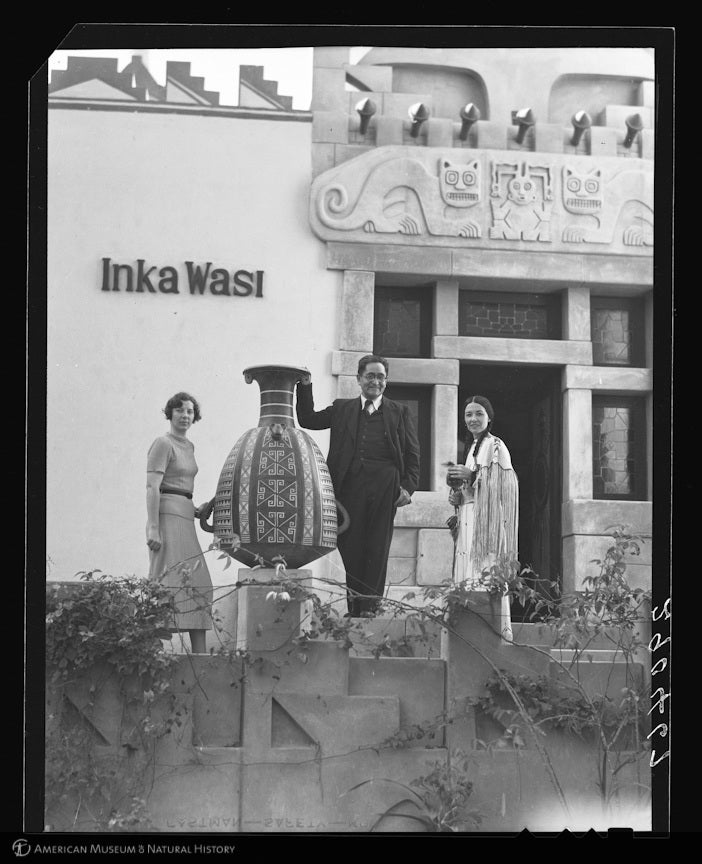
(461, 198)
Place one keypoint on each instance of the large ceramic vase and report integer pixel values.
(275, 493)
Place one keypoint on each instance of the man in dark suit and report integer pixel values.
(374, 465)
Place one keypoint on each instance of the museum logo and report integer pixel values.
(195, 278)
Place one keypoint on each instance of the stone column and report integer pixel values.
(356, 313)
(444, 411)
(446, 308)
(576, 313)
(577, 444)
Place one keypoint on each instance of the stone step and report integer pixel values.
(539, 634)
(569, 656)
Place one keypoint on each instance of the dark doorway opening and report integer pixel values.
(527, 403)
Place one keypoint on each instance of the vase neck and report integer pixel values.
(277, 385)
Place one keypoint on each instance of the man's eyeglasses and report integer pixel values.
(372, 376)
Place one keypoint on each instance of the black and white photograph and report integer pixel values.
(352, 518)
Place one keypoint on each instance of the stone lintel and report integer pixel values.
(541, 266)
(494, 349)
(607, 379)
(402, 370)
(388, 259)
(597, 516)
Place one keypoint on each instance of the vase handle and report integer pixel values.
(203, 519)
(346, 519)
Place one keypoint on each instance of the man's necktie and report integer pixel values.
(368, 407)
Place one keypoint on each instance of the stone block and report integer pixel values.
(330, 127)
(577, 444)
(322, 667)
(439, 132)
(427, 510)
(548, 138)
(398, 104)
(374, 79)
(607, 379)
(434, 556)
(490, 136)
(347, 387)
(328, 89)
(493, 349)
(340, 723)
(352, 807)
(389, 130)
(419, 685)
(599, 677)
(200, 797)
(346, 152)
(575, 310)
(323, 158)
(615, 116)
(401, 571)
(603, 141)
(402, 636)
(404, 543)
(594, 517)
(334, 56)
(446, 308)
(216, 693)
(578, 554)
(266, 625)
(356, 313)
(352, 99)
(284, 797)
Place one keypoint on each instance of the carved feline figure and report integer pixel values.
(627, 198)
(401, 196)
(524, 215)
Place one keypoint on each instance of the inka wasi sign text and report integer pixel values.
(198, 279)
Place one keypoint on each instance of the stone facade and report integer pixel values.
(488, 210)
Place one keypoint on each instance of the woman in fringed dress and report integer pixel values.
(486, 491)
(175, 556)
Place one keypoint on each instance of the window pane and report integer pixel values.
(402, 321)
(507, 316)
(617, 448)
(617, 332)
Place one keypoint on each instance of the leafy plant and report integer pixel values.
(439, 800)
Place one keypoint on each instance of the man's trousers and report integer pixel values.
(369, 497)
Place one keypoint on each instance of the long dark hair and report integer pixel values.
(468, 440)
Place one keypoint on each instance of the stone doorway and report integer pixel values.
(527, 403)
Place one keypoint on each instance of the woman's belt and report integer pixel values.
(176, 492)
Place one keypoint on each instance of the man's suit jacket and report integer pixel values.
(342, 417)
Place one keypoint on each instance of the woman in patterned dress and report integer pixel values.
(175, 556)
(486, 491)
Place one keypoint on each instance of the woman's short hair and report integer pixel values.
(177, 400)
(372, 358)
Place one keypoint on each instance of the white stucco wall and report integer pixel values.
(167, 188)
